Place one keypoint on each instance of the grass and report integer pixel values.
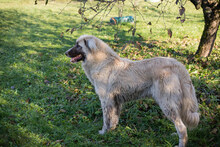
(47, 101)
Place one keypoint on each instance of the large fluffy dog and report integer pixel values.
(118, 80)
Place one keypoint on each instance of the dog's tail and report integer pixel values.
(189, 109)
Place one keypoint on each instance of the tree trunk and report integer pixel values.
(211, 11)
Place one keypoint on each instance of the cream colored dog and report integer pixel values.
(118, 80)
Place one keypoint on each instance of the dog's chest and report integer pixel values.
(97, 74)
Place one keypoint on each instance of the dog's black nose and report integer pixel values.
(66, 53)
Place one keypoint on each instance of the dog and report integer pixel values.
(118, 80)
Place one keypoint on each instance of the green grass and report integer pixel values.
(47, 101)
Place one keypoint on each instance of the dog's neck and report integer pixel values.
(102, 54)
(97, 57)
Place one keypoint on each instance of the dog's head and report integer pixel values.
(85, 44)
(89, 48)
(76, 53)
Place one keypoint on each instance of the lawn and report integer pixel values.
(47, 101)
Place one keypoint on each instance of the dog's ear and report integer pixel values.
(87, 45)
(90, 44)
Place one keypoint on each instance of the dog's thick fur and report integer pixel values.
(118, 80)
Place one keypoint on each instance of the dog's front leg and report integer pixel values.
(111, 112)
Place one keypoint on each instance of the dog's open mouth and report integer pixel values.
(76, 54)
(77, 58)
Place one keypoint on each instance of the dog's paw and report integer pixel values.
(101, 132)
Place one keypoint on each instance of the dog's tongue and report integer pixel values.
(74, 59)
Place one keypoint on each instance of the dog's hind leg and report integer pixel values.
(182, 132)
(180, 127)
(167, 93)
(172, 114)
(111, 113)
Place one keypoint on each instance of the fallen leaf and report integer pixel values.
(177, 1)
(61, 35)
(46, 82)
(85, 19)
(159, 5)
(116, 36)
(80, 11)
(182, 20)
(138, 45)
(145, 105)
(169, 33)
(58, 141)
(182, 10)
(48, 143)
(140, 102)
(40, 54)
(73, 29)
(62, 110)
(214, 131)
(124, 47)
(97, 27)
(76, 90)
(28, 100)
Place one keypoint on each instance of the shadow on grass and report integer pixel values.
(29, 77)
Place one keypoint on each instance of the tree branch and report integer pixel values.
(197, 3)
